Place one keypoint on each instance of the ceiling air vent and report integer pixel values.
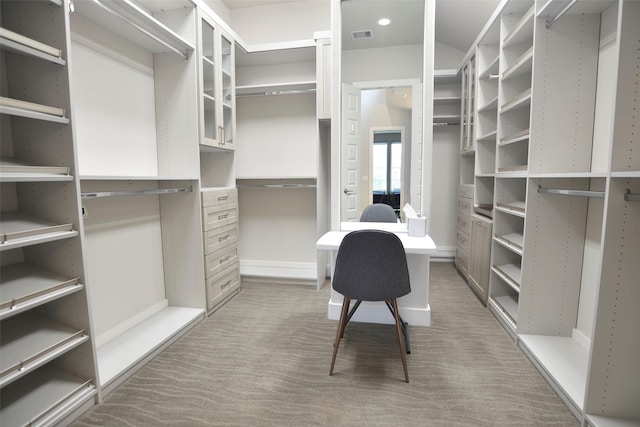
(359, 35)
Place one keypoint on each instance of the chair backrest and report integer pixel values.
(371, 265)
(378, 212)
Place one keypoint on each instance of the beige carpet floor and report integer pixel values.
(263, 360)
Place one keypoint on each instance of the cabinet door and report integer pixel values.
(217, 86)
(480, 257)
(227, 116)
(467, 140)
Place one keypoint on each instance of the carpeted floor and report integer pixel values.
(263, 359)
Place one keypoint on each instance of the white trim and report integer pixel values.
(128, 324)
(279, 269)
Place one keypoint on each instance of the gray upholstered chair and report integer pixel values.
(371, 265)
(378, 212)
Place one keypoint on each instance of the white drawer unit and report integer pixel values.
(220, 224)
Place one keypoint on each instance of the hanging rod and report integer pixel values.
(185, 55)
(277, 186)
(631, 197)
(275, 92)
(583, 193)
(136, 192)
(549, 23)
(446, 123)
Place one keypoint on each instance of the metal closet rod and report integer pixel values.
(631, 197)
(583, 193)
(277, 186)
(185, 55)
(549, 23)
(99, 194)
(275, 92)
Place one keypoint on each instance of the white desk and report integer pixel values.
(413, 307)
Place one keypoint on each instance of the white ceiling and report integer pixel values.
(458, 22)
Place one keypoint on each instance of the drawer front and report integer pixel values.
(217, 216)
(464, 224)
(462, 260)
(219, 286)
(219, 197)
(463, 241)
(216, 262)
(219, 238)
(464, 206)
(466, 191)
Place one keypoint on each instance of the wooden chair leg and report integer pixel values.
(394, 304)
(340, 330)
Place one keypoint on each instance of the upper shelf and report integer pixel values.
(275, 89)
(135, 24)
(523, 29)
(15, 42)
(13, 171)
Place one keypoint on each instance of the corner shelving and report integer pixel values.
(47, 353)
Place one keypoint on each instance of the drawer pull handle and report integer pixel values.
(222, 216)
(223, 260)
(221, 198)
(223, 238)
(224, 285)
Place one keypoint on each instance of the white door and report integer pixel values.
(350, 173)
(415, 194)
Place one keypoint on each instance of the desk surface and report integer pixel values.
(412, 245)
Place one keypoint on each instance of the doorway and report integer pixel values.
(386, 167)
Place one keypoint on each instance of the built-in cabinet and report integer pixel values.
(479, 256)
(564, 193)
(47, 347)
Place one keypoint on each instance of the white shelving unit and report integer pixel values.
(47, 362)
(563, 269)
(139, 164)
(277, 161)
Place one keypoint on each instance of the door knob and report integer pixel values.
(349, 192)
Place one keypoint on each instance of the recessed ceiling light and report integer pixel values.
(384, 21)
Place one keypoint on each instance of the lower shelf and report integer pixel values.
(599, 421)
(44, 397)
(118, 358)
(564, 361)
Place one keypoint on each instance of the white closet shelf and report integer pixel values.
(512, 241)
(553, 7)
(522, 66)
(50, 392)
(511, 274)
(523, 30)
(285, 183)
(512, 208)
(14, 171)
(468, 152)
(25, 286)
(18, 43)
(564, 360)
(446, 76)
(135, 24)
(491, 69)
(16, 107)
(491, 105)
(488, 137)
(275, 53)
(158, 178)
(18, 229)
(520, 136)
(600, 421)
(507, 306)
(29, 341)
(513, 169)
(144, 340)
(621, 174)
(520, 101)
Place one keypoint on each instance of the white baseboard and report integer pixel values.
(279, 269)
(444, 253)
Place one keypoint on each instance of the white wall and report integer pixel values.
(389, 63)
(447, 57)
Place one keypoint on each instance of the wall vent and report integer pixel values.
(359, 35)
